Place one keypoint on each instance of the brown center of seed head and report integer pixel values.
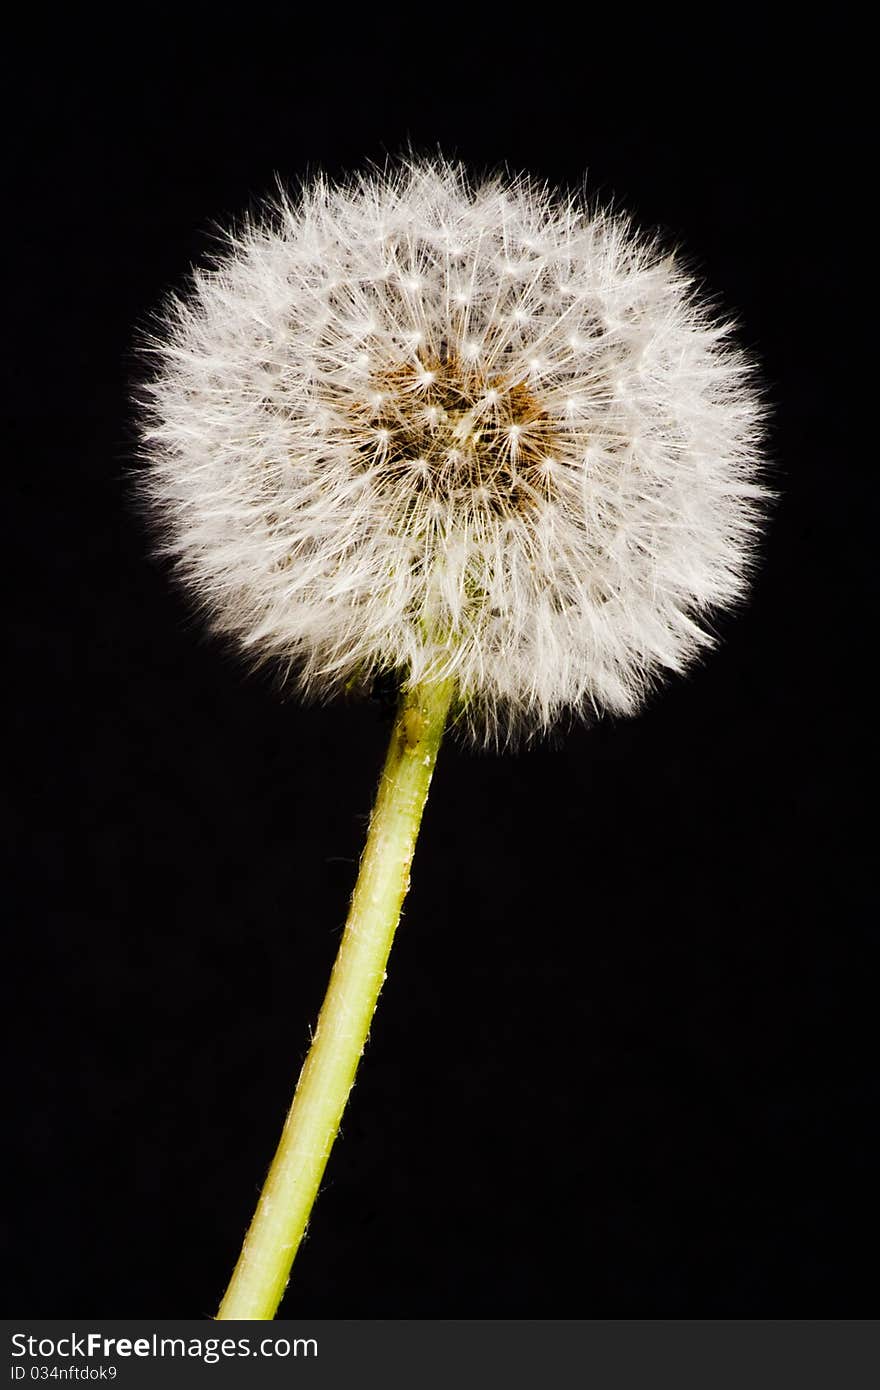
(442, 427)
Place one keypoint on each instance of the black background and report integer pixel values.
(623, 1061)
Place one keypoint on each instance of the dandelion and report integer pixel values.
(473, 434)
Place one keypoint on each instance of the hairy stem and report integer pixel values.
(289, 1192)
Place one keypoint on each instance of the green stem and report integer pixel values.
(263, 1268)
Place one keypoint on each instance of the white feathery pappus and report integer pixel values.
(422, 424)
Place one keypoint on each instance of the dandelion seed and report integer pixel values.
(233, 472)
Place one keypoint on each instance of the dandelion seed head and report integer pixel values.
(436, 426)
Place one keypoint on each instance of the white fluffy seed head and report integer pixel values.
(422, 425)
